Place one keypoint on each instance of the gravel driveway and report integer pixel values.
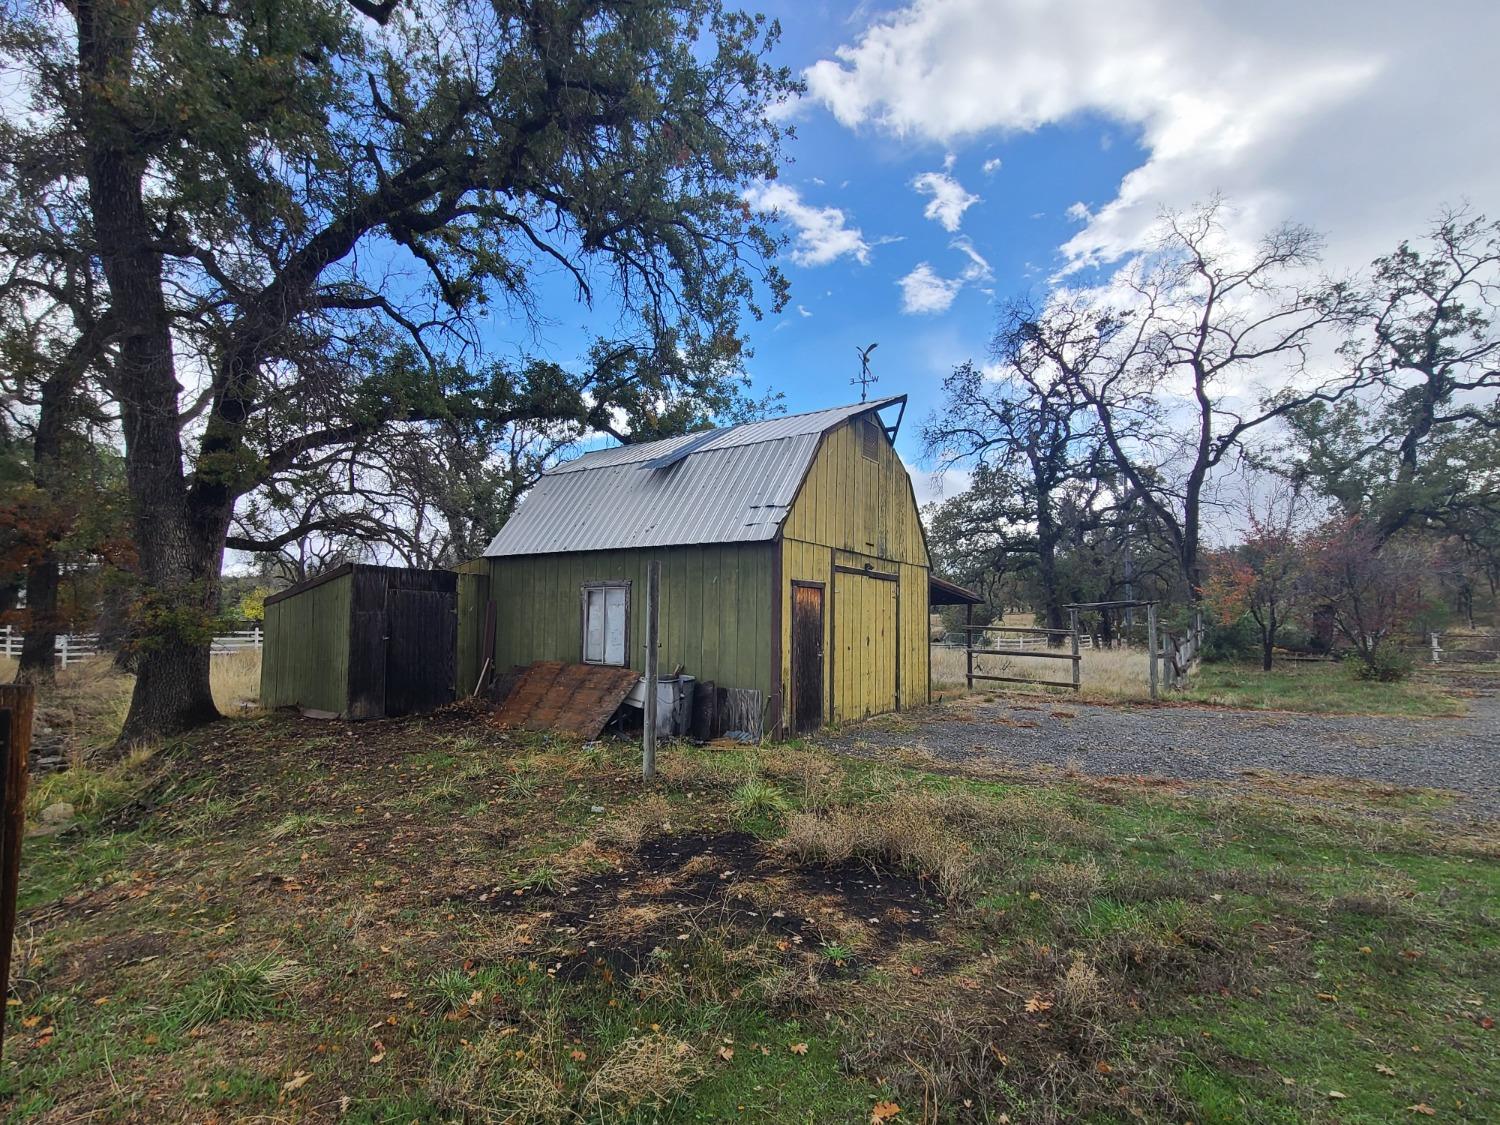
(1200, 743)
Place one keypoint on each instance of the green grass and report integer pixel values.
(1318, 687)
(353, 948)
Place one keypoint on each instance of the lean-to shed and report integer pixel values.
(794, 566)
(362, 642)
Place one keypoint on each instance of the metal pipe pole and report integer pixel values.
(969, 646)
(648, 729)
(1151, 643)
(1077, 658)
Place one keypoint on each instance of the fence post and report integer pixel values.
(1151, 644)
(969, 647)
(257, 638)
(1437, 651)
(1077, 659)
(64, 640)
(15, 750)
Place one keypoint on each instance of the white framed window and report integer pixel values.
(606, 623)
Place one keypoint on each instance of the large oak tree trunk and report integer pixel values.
(179, 556)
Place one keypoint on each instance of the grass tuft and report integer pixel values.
(243, 989)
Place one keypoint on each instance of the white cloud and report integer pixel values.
(978, 269)
(1355, 118)
(1079, 212)
(923, 291)
(949, 199)
(823, 233)
(991, 166)
(803, 310)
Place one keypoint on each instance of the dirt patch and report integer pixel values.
(732, 880)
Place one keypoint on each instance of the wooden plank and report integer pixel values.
(420, 651)
(16, 705)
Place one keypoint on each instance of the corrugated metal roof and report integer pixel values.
(734, 488)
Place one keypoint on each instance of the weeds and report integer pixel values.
(757, 799)
(244, 989)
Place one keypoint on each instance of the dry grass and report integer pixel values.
(634, 824)
(1106, 673)
(908, 831)
(87, 706)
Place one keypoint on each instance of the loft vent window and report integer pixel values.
(606, 622)
(871, 438)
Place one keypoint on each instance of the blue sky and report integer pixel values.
(1345, 115)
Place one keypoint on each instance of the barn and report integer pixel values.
(794, 568)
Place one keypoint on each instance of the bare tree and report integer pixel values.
(1196, 349)
(1034, 445)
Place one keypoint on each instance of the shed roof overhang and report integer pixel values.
(943, 592)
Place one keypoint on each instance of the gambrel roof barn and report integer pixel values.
(794, 565)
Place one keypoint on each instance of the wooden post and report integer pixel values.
(15, 751)
(648, 729)
(1077, 659)
(1437, 651)
(969, 645)
(1151, 644)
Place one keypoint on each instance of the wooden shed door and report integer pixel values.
(421, 650)
(807, 657)
(864, 644)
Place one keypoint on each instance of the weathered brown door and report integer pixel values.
(807, 656)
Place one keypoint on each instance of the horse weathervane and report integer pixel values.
(865, 378)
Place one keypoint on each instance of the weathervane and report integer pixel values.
(865, 378)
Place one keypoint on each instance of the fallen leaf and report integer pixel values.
(1389, 1072)
(1423, 1108)
(1337, 1094)
(883, 1111)
(726, 1053)
(379, 1055)
(29, 1022)
(1328, 997)
(1037, 1004)
(1487, 1022)
(798, 1048)
(298, 1081)
(579, 1056)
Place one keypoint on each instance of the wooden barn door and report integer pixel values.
(807, 656)
(421, 650)
(865, 671)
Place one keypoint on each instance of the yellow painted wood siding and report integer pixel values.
(856, 512)
(864, 645)
(855, 504)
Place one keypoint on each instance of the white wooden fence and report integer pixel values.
(73, 647)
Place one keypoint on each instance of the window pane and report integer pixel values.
(593, 626)
(614, 626)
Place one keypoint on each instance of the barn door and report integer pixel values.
(807, 656)
(421, 650)
(864, 649)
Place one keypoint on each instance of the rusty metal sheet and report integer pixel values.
(575, 699)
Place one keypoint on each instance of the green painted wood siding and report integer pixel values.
(715, 614)
(473, 596)
(305, 661)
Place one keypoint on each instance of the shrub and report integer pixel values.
(1383, 665)
(1228, 644)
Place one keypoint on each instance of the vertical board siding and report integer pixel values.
(306, 651)
(855, 504)
(853, 512)
(473, 596)
(715, 616)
